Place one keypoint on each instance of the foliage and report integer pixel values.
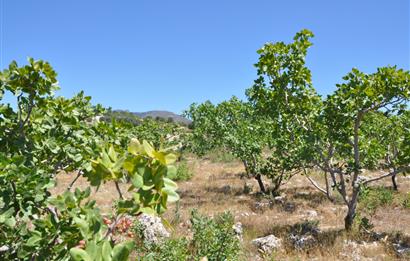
(46, 134)
(220, 156)
(364, 124)
(169, 250)
(284, 93)
(343, 144)
(214, 238)
(372, 198)
(230, 126)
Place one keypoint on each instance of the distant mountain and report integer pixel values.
(164, 115)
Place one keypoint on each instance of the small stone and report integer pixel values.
(402, 250)
(303, 242)
(153, 229)
(238, 230)
(267, 244)
(289, 207)
(311, 214)
(4, 248)
(261, 206)
(280, 200)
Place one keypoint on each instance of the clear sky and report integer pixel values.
(145, 54)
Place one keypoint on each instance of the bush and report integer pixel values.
(372, 198)
(183, 172)
(213, 238)
(169, 250)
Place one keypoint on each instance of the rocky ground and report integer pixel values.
(300, 224)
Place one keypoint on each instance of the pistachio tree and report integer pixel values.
(233, 126)
(347, 141)
(43, 135)
(284, 93)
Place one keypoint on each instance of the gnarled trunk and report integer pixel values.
(349, 220)
(351, 212)
(393, 179)
(258, 178)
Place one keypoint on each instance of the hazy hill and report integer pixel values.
(164, 115)
(133, 116)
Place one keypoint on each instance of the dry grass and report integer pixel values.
(218, 187)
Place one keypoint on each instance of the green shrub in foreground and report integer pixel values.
(213, 238)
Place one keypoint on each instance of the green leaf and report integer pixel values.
(78, 158)
(10, 222)
(172, 171)
(148, 211)
(172, 195)
(106, 251)
(134, 147)
(170, 158)
(82, 225)
(137, 181)
(34, 239)
(122, 251)
(148, 149)
(168, 183)
(79, 255)
(112, 154)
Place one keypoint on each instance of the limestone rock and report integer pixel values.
(152, 228)
(267, 244)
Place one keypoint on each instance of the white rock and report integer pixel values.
(402, 250)
(311, 213)
(153, 229)
(267, 244)
(302, 242)
(280, 199)
(4, 248)
(238, 230)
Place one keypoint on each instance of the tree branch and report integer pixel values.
(76, 178)
(403, 169)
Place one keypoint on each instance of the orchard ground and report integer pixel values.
(222, 186)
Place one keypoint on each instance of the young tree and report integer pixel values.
(45, 134)
(284, 93)
(343, 145)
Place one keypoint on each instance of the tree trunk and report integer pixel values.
(393, 179)
(258, 177)
(351, 212)
(349, 220)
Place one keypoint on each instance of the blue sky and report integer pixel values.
(145, 55)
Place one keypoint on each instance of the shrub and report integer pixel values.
(372, 198)
(169, 250)
(214, 238)
(183, 172)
